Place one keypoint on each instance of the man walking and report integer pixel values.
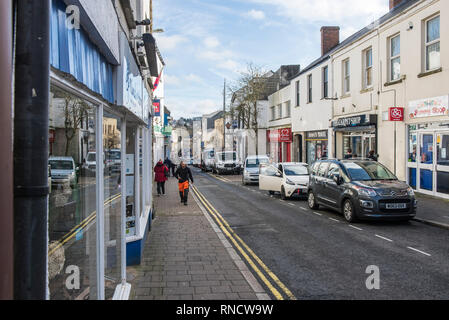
(183, 174)
(169, 165)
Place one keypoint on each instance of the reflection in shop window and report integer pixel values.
(413, 145)
(72, 200)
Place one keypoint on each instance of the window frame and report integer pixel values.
(430, 43)
(309, 88)
(280, 113)
(298, 93)
(325, 76)
(346, 68)
(273, 113)
(391, 57)
(367, 68)
(288, 109)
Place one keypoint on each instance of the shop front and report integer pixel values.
(280, 144)
(428, 146)
(316, 145)
(99, 167)
(356, 135)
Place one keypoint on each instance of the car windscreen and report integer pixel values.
(368, 171)
(254, 163)
(61, 165)
(227, 156)
(114, 155)
(91, 157)
(296, 170)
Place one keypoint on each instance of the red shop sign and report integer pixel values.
(280, 135)
(396, 114)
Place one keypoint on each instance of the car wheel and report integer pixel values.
(349, 211)
(312, 201)
(283, 195)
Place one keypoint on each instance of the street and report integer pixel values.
(317, 255)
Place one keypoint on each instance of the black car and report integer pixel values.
(360, 189)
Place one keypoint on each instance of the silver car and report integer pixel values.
(251, 168)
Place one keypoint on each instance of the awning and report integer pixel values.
(151, 51)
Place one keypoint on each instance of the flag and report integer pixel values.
(157, 108)
(156, 83)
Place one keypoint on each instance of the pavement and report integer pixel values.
(433, 211)
(186, 257)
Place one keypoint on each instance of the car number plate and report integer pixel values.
(396, 206)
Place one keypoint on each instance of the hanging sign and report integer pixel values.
(396, 114)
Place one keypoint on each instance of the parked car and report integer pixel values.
(289, 179)
(63, 171)
(226, 162)
(208, 160)
(90, 164)
(251, 168)
(360, 189)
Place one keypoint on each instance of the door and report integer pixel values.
(268, 178)
(331, 190)
(426, 162)
(442, 164)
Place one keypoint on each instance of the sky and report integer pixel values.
(207, 41)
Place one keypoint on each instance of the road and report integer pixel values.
(318, 255)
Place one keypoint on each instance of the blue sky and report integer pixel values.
(206, 41)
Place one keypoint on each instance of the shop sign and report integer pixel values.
(396, 114)
(316, 135)
(280, 135)
(355, 121)
(157, 108)
(433, 107)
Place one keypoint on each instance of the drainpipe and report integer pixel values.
(32, 87)
(6, 160)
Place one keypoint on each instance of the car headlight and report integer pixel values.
(366, 192)
(290, 182)
(411, 192)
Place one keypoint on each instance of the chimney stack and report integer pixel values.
(330, 38)
(395, 3)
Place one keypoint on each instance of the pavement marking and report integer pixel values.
(334, 219)
(317, 213)
(291, 204)
(234, 238)
(302, 208)
(389, 240)
(422, 252)
(357, 228)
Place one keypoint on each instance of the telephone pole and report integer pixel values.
(224, 116)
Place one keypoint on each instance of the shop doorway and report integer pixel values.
(428, 163)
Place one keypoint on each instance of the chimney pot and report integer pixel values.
(395, 3)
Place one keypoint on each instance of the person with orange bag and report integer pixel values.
(183, 174)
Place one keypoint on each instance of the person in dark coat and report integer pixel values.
(161, 172)
(169, 164)
(372, 156)
(184, 174)
(348, 154)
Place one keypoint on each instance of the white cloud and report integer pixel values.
(172, 80)
(211, 42)
(193, 78)
(327, 10)
(169, 43)
(256, 14)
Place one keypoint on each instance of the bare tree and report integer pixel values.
(246, 91)
(75, 111)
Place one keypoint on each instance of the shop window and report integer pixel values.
(130, 180)
(72, 247)
(413, 145)
(112, 148)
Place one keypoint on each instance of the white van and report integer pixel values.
(226, 162)
(289, 179)
(208, 160)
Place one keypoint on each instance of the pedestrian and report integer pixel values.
(372, 156)
(168, 163)
(173, 168)
(183, 174)
(348, 154)
(161, 173)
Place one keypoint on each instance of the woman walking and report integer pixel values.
(161, 173)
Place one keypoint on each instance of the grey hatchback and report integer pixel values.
(360, 189)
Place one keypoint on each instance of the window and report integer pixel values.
(325, 82)
(323, 168)
(280, 111)
(273, 113)
(309, 88)
(334, 170)
(298, 101)
(346, 76)
(395, 58)
(288, 109)
(368, 68)
(433, 44)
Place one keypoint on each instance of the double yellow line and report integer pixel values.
(220, 178)
(72, 233)
(239, 243)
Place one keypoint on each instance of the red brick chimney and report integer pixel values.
(394, 3)
(330, 38)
